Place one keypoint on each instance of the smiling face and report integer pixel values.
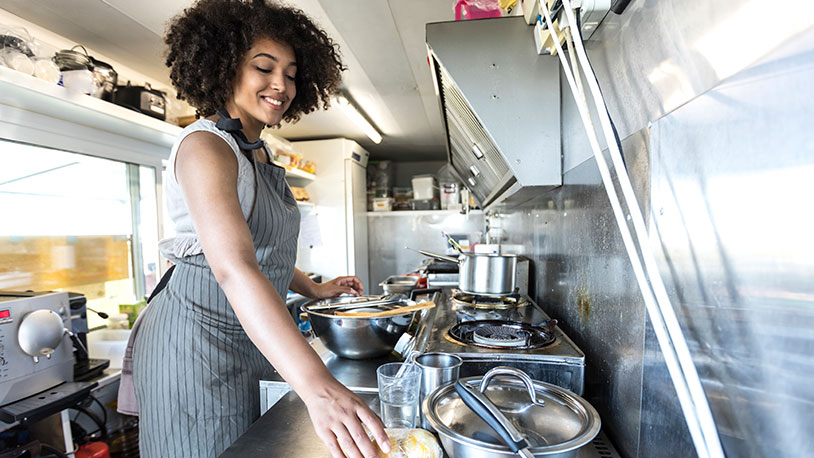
(264, 85)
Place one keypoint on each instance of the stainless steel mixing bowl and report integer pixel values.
(356, 337)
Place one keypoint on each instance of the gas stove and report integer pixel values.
(489, 331)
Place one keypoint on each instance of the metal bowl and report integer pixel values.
(558, 428)
(356, 337)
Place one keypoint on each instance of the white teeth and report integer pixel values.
(272, 101)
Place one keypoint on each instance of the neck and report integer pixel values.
(251, 126)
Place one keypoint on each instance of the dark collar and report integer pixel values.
(234, 127)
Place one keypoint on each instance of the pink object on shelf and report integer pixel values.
(477, 9)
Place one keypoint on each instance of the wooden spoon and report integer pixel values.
(387, 313)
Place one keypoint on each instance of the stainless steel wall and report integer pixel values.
(389, 232)
(716, 119)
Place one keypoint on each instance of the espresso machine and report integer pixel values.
(84, 367)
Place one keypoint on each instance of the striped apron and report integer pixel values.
(195, 370)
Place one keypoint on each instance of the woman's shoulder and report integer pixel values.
(205, 125)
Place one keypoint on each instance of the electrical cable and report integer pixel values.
(53, 451)
(662, 315)
(102, 429)
(101, 406)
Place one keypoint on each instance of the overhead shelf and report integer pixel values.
(296, 173)
(39, 96)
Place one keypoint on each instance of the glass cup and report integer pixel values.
(399, 385)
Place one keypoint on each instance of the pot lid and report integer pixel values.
(558, 422)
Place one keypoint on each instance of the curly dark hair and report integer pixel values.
(207, 42)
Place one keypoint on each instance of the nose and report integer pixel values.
(278, 82)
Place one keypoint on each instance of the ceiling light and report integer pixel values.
(355, 115)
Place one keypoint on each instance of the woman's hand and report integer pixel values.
(337, 286)
(338, 416)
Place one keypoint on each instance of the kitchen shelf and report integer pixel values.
(39, 96)
(296, 173)
(421, 213)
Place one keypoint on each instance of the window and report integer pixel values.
(78, 223)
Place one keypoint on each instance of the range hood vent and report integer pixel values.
(500, 101)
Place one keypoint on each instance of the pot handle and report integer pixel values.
(506, 370)
(488, 411)
(436, 255)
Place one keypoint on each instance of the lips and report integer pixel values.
(274, 103)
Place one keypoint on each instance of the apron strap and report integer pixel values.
(162, 283)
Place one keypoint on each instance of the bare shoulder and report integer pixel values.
(205, 152)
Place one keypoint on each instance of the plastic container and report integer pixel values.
(109, 344)
(118, 321)
(382, 204)
(425, 187)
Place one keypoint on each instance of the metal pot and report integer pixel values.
(399, 284)
(483, 273)
(555, 422)
(356, 337)
(106, 79)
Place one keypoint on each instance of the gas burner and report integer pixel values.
(484, 301)
(498, 334)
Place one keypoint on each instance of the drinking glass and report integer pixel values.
(399, 385)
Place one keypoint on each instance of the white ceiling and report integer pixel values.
(382, 44)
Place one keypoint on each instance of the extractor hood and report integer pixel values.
(500, 102)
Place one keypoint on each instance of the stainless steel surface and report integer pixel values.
(340, 303)
(485, 273)
(436, 369)
(286, 430)
(388, 233)
(631, 224)
(561, 363)
(402, 284)
(493, 119)
(727, 174)
(510, 371)
(40, 333)
(33, 324)
(357, 337)
(476, 398)
(565, 424)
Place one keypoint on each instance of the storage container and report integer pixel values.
(382, 204)
(425, 187)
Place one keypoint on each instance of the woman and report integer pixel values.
(208, 336)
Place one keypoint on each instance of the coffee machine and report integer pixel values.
(84, 368)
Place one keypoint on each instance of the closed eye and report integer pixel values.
(263, 70)
(292, 78)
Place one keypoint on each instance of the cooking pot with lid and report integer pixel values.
(488, 273)
(554, 421)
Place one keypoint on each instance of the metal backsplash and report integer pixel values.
(717, 126)
(389, 232)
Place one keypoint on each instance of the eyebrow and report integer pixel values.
(263, 54)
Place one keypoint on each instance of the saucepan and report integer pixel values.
(483, 273)
(479, 416)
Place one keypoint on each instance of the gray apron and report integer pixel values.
(195, 370)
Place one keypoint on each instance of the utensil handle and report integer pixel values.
(488, 411)
(388, 313)
(435, 255)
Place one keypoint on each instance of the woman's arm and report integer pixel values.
(339, 285)
(206, 169)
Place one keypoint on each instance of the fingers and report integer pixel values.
(348, 442)
(360, 438)
(376, 427)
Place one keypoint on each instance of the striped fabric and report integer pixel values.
(195, 370)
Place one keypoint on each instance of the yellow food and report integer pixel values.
(411, 443)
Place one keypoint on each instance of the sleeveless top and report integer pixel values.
(185, 241)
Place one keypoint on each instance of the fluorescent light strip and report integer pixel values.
(353, 113)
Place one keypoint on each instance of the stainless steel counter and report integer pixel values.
(286, 430)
